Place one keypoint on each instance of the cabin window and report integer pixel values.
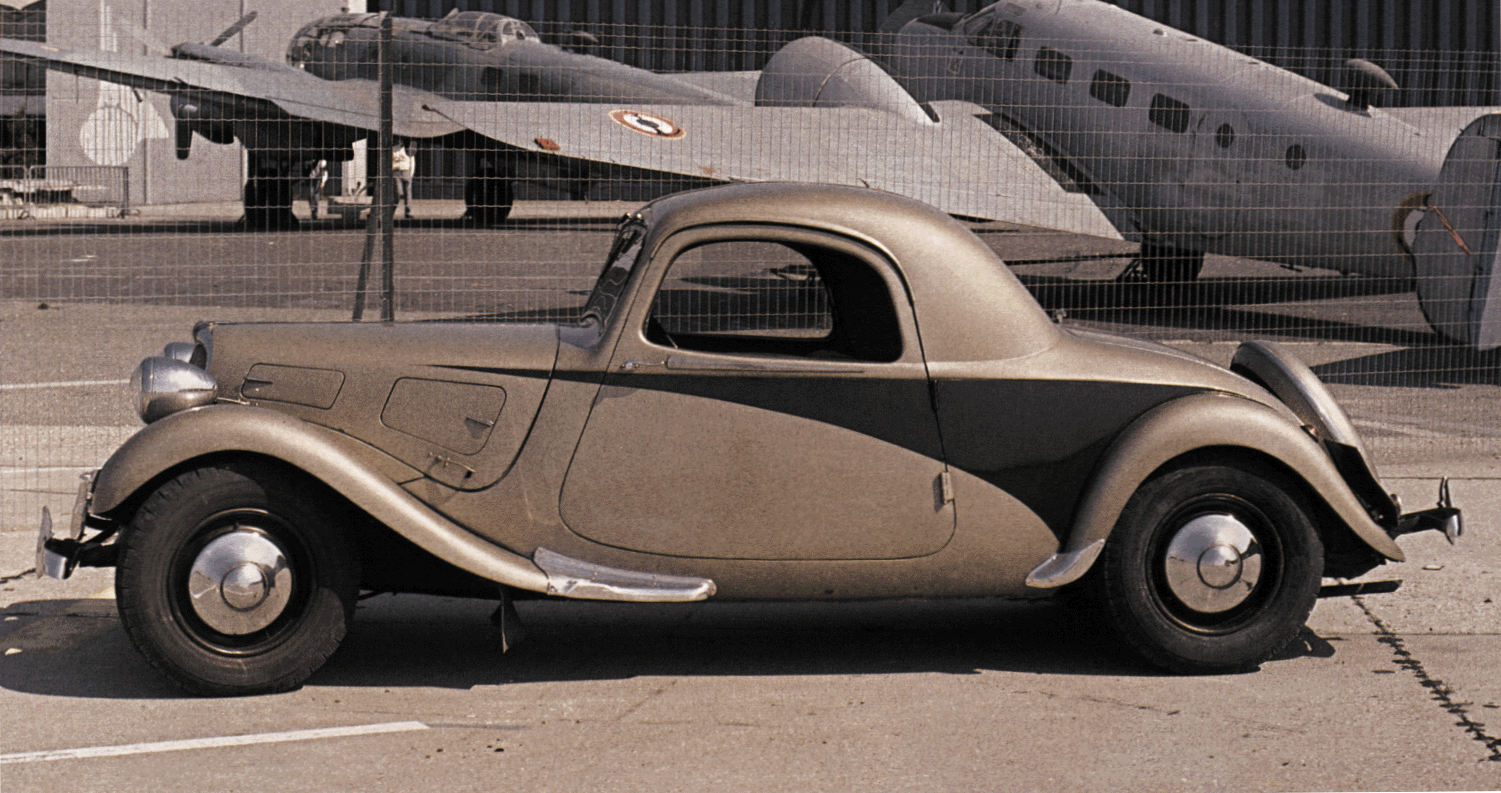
(1224, 137)
(1054, 65)
(1169, 113)
(1112, 89)
(1295, 157)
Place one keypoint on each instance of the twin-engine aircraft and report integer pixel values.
(1067, 114)
(530, 109)
(1189, 147)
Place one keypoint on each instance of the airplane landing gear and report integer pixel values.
(268, 202)
(1159, 264)
(488, 198)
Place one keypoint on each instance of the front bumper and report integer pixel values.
(58, 557)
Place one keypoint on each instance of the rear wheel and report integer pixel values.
(1211, 568)
(237, 579)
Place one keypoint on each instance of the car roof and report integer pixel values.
(969, 305)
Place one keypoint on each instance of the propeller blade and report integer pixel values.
(233, 30)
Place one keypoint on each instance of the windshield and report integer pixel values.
(617, 271)
(481, 29)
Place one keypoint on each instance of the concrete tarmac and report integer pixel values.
(1394, 691)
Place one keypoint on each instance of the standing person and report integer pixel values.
(316, 179)
(403, 166)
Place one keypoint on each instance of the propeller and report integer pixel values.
(183, 110)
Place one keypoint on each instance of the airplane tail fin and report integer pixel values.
(1455, 248)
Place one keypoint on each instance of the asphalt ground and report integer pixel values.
(1394, 691)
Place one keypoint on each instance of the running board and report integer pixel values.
(575, 578)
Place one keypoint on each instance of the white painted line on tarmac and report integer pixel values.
(211, 743)
(60, 384)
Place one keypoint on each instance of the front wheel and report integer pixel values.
(1211, 568)
(237, 579)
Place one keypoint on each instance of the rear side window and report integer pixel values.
(758, 297)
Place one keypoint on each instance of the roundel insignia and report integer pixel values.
(648, 124)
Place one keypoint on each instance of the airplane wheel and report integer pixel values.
(488, 201)
(236, 579)
(1211, 568)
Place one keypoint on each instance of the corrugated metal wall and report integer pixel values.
(1445, 52)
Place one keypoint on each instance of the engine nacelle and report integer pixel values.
(819, 72)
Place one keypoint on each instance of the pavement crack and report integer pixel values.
(17, 576)
(1440, 691)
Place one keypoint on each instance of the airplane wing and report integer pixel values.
(958, 163)
(353, 103)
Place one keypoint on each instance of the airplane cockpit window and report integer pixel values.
(999, 37)
(482, 29)
(1168, 113)
(1112, 89)
(1054, 65)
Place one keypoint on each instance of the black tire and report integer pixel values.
(488, 200)
(240, 513)
(1180, 609)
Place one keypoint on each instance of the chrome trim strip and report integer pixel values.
(575, 578)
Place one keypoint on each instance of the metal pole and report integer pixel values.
(387, 184)
(382, 214)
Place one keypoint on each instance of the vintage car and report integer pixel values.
(773, 391)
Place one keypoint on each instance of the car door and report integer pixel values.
(769, 402)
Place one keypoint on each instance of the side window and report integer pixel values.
(756, 297)
(1110, 88)
(1168, 113)
(1054, 65)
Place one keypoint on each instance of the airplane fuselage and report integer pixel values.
(1184, 143)
(480, 57)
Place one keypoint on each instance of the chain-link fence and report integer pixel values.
(1134, 176)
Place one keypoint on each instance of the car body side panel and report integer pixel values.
(1039, 440)
(675, 473)
(429, 395)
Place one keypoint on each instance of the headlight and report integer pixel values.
(167, 385)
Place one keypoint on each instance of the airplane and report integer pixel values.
(1067, 114)
(1190, 147)
(489, 84)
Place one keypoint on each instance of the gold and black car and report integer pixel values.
(773, 391)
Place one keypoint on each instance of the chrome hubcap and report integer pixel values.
(1213, 563)
(240, 583)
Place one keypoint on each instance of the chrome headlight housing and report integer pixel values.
(168, 383)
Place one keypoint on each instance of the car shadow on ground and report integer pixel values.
(1429, 366)
(449, 643)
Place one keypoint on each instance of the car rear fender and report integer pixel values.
(1188, 424)
(364, 475)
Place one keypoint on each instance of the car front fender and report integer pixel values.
(1188, 424)
(364, 475)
